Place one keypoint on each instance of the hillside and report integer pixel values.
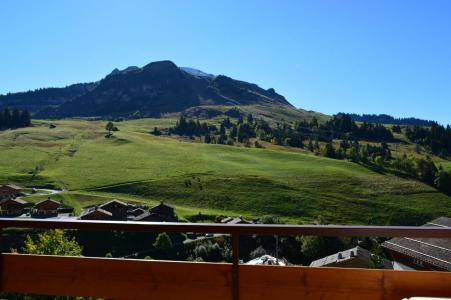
(157, 88)
(213, 179)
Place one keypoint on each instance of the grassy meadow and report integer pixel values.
(212, 179)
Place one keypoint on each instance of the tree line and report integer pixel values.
(436, 138)
(14, 118)
(387, 119)
(294, 135)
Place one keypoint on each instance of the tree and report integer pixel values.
(426, 170)
(156, 132)
(53, 242)
(163, 244)
(329, 151)
(109, 127)
(443, 181)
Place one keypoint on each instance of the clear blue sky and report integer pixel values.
(354, 56)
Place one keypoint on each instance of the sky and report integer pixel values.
(384, 56)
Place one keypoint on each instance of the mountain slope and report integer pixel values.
(156, 88)
(209, 178)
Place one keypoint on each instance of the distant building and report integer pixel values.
(135, 212)
(13, 207)
(10, 191)
(118, 209)
(237, 220)
(160, 213)
(421, 253)
(46, 208)
(352, 258)
(96, 213)
(267, 260)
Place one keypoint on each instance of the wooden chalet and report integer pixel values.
(159, 213)
(13, 207)
(10, 191)
(422, 253)
(96, 213)
(118, 209)
(46, 208)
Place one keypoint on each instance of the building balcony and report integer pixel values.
(141, 279)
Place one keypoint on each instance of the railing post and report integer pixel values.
(235, 266)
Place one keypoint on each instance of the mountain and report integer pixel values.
(387, 119)
(156, 88)
(45, 97)
(196, 72)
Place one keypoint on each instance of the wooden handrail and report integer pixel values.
(235, 231)
(239, 229)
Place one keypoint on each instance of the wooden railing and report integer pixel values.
(139, 279)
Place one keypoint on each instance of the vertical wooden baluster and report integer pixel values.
(235, 266)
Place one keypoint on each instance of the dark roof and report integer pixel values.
(436, 252)
(136, 212)
(48, 200)
(17, 200)
(342, 256)
(92, 210)
(155, 217)
(113, 201)
(162, 206)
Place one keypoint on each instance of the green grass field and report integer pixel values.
(212, 179)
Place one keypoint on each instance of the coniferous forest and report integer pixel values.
(14, 118)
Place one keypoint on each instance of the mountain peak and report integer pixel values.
(196, 72)
(158, 87)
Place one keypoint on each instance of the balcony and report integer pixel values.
(139, 279)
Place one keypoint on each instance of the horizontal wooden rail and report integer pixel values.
(240, 229)
(138, 279)
(128, 279)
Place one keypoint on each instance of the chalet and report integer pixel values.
(13, 207)
(233, 221)
(160, 213)
(421, 253)
(96, 213)
(46, 208)
(10, 191)
(118, 209)
(165, 212)
(357, 257)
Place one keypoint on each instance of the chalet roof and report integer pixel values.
(436, 252)
(48, 200)
(16, 200)
(95, 209)
(12, 186)
(155, 217)
(162, 205)
(113, 201)
(9, 189)
(238, 220)
(357, 252)
(136, 212)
